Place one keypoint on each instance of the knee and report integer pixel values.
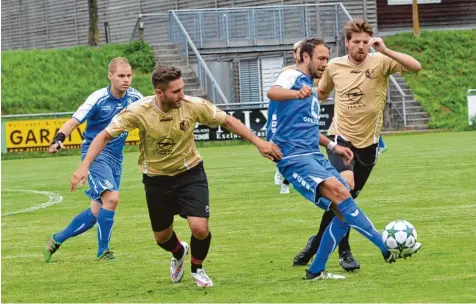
(341, 192)
(338, 192)
(162, 236)
(200, 231)
(110, 202)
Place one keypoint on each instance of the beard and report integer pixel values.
(315, 74)
(359, 57)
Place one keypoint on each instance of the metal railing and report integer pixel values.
(403, 96)
(179, 36)
(261, 25)
(250, 26)
(53, 115)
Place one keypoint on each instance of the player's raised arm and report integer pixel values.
(408, 62)
(278, 93)
(283, 88)
(267, 149)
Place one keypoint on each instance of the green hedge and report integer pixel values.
(59, 80)
(449, 70)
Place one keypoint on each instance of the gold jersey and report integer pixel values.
(167, 143)
(360, 96)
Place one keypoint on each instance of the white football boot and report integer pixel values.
(176, 266)
(201, 278)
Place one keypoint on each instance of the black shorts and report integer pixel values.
(362, 164)
(185, 194)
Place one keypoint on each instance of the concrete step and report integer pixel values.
(400, 81)
(408, 109)
(191, 81)
(403, 86)
(169, 57)
(192, 86)
(190, 78)
(395, 91)
(417, 115)
(164, 46)
(194, 92)
(408, 103)
(159, 52)
(180, 64)
(416, 127)
(417, 121)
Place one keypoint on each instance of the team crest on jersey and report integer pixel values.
(165, 145)
(370, 73)
(184, 125)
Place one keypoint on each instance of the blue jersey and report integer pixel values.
(272, 119)
(297, 120)
(98, 110)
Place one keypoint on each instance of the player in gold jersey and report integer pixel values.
(173, 174)
(360, 81)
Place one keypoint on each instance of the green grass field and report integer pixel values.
(427, 179)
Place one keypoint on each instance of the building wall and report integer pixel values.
(446, 13)
(28, 24)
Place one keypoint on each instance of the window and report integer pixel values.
(250, 81)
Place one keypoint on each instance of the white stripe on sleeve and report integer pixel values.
(287, 79)
(82, 112)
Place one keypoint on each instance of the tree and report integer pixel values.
(93, 39)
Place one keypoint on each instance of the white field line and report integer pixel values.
(53, 198)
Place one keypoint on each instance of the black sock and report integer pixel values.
(325, 221)
(199, 249)
(174, 246)
(286, 182)
(344, 244)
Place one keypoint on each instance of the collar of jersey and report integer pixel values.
(304, 74)
(360, 64)
(114, 97)
(156, 107)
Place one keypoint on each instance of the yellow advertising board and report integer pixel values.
(37, 135)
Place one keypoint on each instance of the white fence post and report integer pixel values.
(471, 106)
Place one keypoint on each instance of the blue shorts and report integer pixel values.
(104, 174)
(306, 172)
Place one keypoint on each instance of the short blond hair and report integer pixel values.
(115, 62)
(297, 45)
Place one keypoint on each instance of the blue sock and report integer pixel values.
(105, 223)
(357, 219)
(80, 223)
(331, 238)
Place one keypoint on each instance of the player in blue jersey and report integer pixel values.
(105, 173)
(271, 122)
(306, 167)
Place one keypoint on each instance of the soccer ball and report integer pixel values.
(399, 236)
